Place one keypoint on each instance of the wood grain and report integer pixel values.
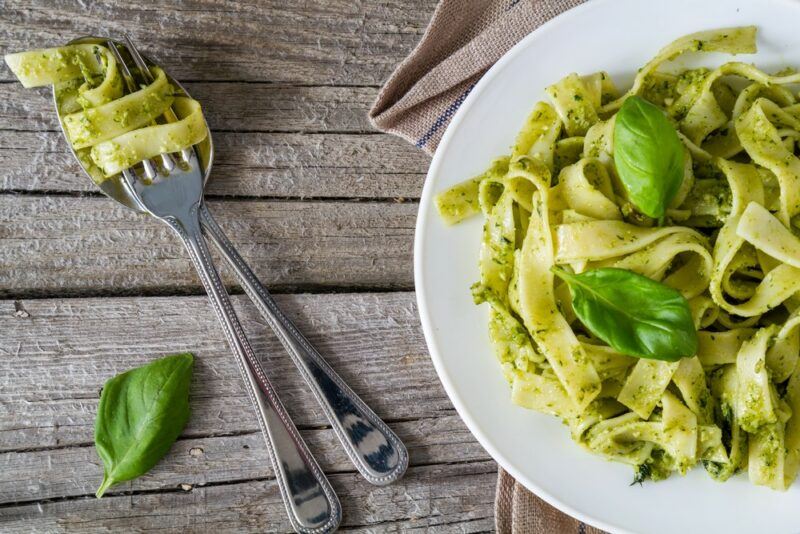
(31, 476)
(77, 245)
(329, 42)
(55, 355)
(258, 127)
(228, 106)
(438, 498)
(247, 164)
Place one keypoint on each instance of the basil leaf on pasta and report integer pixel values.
(632, 313)
(648, 156)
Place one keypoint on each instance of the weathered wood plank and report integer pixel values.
(74, 471)
(252, 107)
(56, 354)
(331, 42)
(439, 498)
(246, 164)
(55, 358)
(79, 245)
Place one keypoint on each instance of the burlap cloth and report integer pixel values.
(464, 39)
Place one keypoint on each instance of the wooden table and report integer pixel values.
(321, 206)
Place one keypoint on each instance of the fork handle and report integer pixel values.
(374, 449)
(310, 501)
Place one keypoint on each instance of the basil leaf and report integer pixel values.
(141, 413)
(632, 313)
(648, 156)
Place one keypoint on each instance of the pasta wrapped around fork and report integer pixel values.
(110, 130)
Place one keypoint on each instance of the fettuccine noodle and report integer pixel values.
(110, 131)
(729, 245)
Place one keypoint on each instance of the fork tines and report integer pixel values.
(146, 76)
(145, 70)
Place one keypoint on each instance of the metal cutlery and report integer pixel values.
(173, 193)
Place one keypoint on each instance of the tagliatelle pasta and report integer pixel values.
(728, 244)
(108, 130)
(127, 149)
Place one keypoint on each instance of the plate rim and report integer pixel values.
(426, 199)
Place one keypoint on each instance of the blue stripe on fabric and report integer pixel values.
(453, 107)
(442, 119)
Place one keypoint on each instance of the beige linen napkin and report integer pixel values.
(464, 39)
(518, 511)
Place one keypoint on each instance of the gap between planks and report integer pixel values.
(316, 42)
(372, 340)
(212, 197)
(90, 246)
(210, 435)
(246, 164)
(452, 497)
(485, 466)
(53, 350)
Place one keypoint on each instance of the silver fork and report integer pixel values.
(310, 501)
(374, 449)
(176, 198)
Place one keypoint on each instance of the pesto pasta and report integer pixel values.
(110, 130)
(640, 260)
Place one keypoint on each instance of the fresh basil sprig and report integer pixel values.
(141, 414)
(632, 313)
(648, 156)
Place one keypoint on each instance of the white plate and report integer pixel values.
(617, 36)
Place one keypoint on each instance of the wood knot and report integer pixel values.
(20, 311)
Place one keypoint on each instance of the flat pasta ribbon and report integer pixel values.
(109, 131)
(729, 245)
